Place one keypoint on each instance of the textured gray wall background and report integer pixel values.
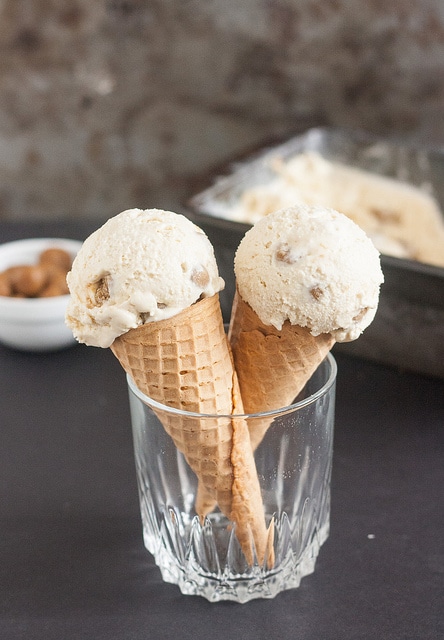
(106, 105)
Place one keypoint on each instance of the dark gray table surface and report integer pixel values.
(72, 562)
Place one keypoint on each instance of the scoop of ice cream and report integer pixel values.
(140, 266)
(312, 266)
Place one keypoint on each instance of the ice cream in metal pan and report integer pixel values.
(401, 219)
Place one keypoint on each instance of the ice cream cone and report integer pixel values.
(272, 365)
(185, 362)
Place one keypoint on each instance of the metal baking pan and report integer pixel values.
(408, 331)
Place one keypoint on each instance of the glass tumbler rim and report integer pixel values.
(312, 398)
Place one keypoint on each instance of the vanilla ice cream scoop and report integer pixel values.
(140, 266)
(312, 266)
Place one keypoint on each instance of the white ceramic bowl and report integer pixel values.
(34, 324)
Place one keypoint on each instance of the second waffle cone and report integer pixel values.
(272, 365)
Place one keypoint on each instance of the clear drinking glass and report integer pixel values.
(293, 462)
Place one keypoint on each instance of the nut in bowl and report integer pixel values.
(33, 298)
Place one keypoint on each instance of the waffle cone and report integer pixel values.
(185, 362)
(272, 366)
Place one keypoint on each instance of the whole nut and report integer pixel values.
(56, 257)
(27, 280)
(56, 285)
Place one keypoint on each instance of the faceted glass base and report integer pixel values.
(204, 570)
